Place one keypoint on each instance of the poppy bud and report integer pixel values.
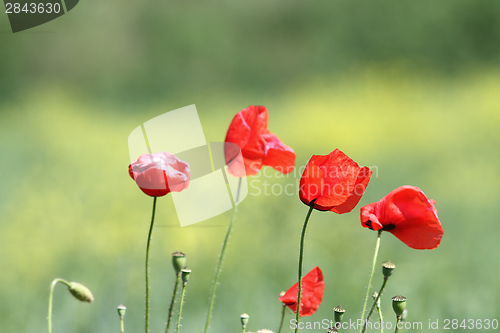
(399, 304)
(338, 312)
(332, 330)
(179, 261)
(244, 320)
(80, 292)
(387, 268)
(121, 310)
(185, 274)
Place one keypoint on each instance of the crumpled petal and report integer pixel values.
(160, 173)
(313, 288)
(259, 147)
(408, 214)
(342, 182)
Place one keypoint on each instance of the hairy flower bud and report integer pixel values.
(80, 292)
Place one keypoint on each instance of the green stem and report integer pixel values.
(51, 296)
(147, 263)
(121, 325)
(180, 308)
(375, 303)
(221, 257)
(171, 308)
(301, 257)
(282, 318)
(397, 323)
(381, 318)
(377, 246)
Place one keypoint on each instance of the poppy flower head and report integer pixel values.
(159, 174)
(313, 288)
(334, 181)
(408, 214)
(259, 147)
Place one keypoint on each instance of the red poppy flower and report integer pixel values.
(159, 174)
(334, 181)
(313, 288)
(408, 214)
(258, 147)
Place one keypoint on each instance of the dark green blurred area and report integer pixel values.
(410, 89)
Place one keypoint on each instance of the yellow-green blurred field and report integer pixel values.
(69, 209)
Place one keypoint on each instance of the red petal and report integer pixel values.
(357, 193)
(311, 182)
(278, 155)
(408, 214)
(340, 173)
(313, 288)
(160, 173)
(248, 130)
(414, 218)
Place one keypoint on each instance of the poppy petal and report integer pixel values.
(358, 191)
(414, 218)
(278, 155)
(313, 288)
(408, 214)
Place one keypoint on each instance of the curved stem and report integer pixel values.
(51, 296)
(377, 246)
(282, 318)
(171, 308)
(147, 263)
(221, 257)
(301, 257)
(375, 303)
(381, 318)
(180, 308)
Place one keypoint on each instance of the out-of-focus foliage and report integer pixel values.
(138, 50)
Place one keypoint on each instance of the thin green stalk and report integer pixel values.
(147, 263)
(180, 308)
(221, 257)
(375, 255)
(51, 296)
(301, 257)
(121, 325)
(171, 308)
(397, 323)
(282, 318)
(381, 318)
(375, 303)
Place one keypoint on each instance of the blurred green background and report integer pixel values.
(410, 89)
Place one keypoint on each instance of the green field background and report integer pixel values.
(411, 89)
